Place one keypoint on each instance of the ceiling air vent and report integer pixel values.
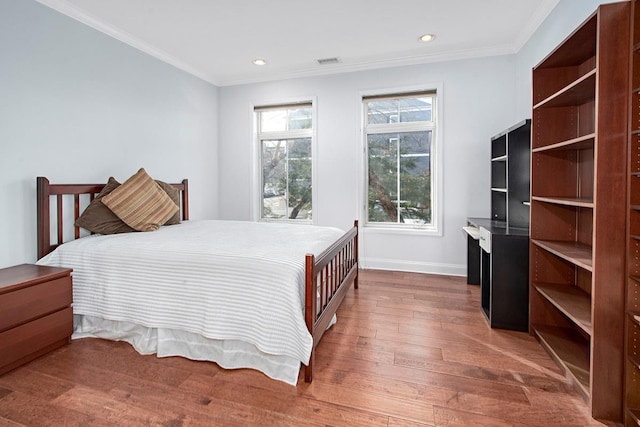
(328, 61)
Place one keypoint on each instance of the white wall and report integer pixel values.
(477, 102)
(78, 106)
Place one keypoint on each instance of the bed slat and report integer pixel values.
(76, 214)
(60, 217)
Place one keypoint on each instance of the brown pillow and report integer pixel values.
(141, 203)
(174, 193)
(98, 218)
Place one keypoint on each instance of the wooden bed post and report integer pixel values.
(43, 216)
(310, 311)
(355, 249)
(322, 296)
(185, 200)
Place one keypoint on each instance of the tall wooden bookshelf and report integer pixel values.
(578, 206)
(632, 320)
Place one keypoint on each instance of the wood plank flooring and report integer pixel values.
(408, 350)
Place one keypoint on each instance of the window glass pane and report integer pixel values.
(286, 177)
(400, 110)
(273, 178)
(383, 111)
(299, 118)
(399, 174)
(299, 201)
(383, 177)
(415, 109)
(285, 119)
(415, 178)
(273, 120)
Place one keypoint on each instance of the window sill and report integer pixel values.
(407, 230)
(287, 221)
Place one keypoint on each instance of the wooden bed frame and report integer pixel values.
(328, 276)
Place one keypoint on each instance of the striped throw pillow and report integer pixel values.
(140, 203)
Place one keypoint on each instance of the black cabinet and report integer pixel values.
(503, 272)
(510, 159)
(498, 247)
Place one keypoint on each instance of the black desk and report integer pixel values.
(499, 262)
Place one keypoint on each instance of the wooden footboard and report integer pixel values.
(328, 278)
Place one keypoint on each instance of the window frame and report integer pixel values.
(257, 198)
(435, 228)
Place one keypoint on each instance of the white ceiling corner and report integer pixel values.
(534, 22)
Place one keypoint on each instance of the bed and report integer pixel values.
(313, 271)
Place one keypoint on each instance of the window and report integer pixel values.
(399, 146)
(285, 136)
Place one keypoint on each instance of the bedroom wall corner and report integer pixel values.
(80, 106)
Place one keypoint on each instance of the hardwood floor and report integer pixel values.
(408, 350)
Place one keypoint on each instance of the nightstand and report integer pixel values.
(35, 312)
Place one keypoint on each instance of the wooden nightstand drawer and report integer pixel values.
(35, 312)
(32, 302)
(21, 344)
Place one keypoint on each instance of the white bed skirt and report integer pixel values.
(229, 354)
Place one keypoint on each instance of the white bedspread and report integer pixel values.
(195, 284)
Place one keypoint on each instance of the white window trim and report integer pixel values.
(437, 198)
(256, 180)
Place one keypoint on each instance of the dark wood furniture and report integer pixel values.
(632, 318)
(578, 209)
(503, 273)
(510, 158)
(35, 312)
(498, 248)
(328, 276)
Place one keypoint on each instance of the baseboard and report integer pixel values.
(414, 267)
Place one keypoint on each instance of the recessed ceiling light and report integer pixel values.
(259, 62)
(427, 37)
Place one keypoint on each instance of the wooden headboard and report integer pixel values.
(46, 190)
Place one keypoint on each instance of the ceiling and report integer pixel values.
(217, 40)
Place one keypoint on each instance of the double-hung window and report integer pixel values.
(285, 135)
(399, 145)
